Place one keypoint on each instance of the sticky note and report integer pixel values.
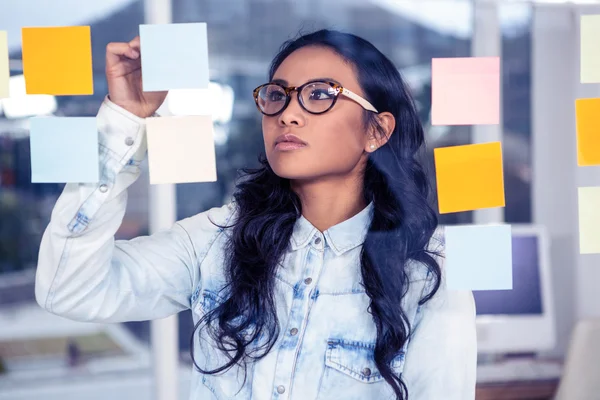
(478, 257)
(64, 149)
(181, 149)
(4, 66)
(469, 177)
(587, 113)
(58, 60)
(590, 48)
(174, 56)
(465, 91)
(589, 219)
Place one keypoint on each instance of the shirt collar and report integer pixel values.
(340, 238)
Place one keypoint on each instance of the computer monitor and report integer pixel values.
(520, 320)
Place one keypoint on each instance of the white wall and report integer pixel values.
(555, 63)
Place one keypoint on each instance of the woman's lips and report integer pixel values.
(288, 146)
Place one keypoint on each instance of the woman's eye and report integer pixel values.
(320, 94)
(276, 96)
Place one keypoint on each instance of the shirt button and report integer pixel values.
(293, 331)
(318, 240)
(367, 372)
(280, 389)
(308, 281)
(129, 141)
(103, 188)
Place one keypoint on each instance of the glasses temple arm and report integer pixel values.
(364, 103)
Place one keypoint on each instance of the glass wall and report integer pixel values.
(243, 37)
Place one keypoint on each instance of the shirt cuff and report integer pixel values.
(122, 133)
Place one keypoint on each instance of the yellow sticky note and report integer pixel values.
(58, 60)
(181, 149)
(4, 69)
(590, 48)
(589, 219)
(588, 131)
(469, 177)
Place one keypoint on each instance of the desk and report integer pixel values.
(528, 390)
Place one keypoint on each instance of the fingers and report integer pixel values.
(135, 43)
(115, 50)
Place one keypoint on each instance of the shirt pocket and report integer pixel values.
(351, 373)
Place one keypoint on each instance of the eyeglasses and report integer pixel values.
(316, 97)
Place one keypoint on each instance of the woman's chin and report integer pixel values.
(289, 174)
(292, 172)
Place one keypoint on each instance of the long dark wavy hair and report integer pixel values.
(403, 224)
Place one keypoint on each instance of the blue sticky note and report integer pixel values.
(64, 149)
(174, 56)
(478, 257)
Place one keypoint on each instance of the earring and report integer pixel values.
(372, 146)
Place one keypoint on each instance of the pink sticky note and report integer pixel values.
(465, 91)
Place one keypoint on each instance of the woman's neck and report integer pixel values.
(325, 204)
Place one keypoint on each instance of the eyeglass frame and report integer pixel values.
(339, 89)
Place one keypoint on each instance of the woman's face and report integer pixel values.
(336, 141)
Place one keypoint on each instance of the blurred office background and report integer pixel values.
(538, 43)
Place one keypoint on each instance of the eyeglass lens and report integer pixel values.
(315, 97)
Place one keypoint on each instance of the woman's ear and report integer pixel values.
(381, 133)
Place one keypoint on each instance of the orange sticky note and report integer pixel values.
(469, 177)
(465, 91)
(58, 60)
(588, 131)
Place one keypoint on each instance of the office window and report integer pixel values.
(516, 22)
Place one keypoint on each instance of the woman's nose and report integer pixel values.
(293, 114)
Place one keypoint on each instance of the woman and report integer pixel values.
(320, 280)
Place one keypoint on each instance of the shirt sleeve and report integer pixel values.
(83, 273)
(441, 358)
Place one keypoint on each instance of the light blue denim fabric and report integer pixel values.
(325, 349)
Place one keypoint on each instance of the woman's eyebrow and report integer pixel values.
(284, 82)
(327, 79)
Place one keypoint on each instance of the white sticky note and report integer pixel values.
(590, 48)
(64, 149)
(181, 149)
(174, 56)
(589, 219)
(478, 257)
(4, 68)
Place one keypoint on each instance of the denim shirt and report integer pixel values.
(326, 343)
